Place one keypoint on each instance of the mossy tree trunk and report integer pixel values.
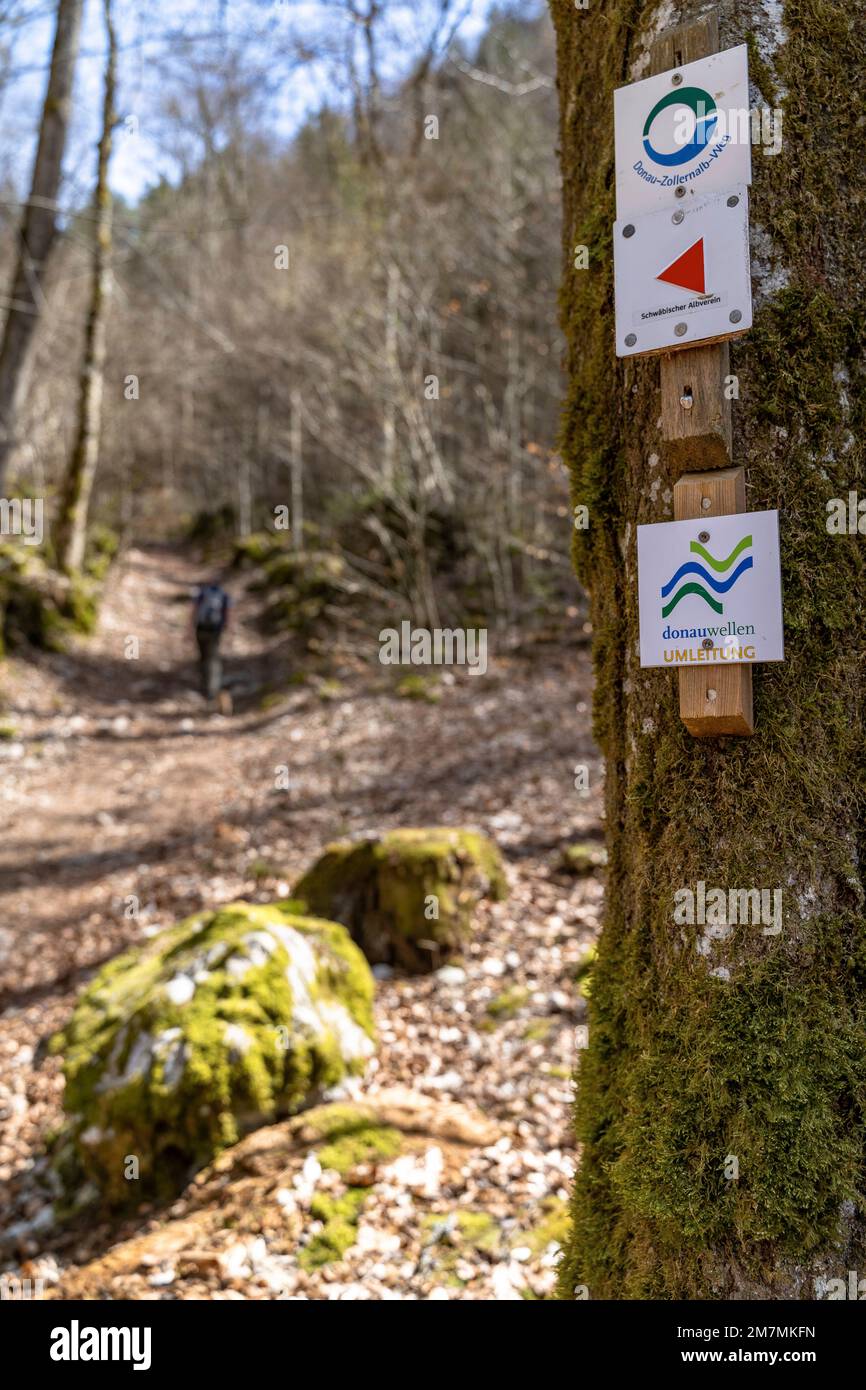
(75, 504)
(687, 1071)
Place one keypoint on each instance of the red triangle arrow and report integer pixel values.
(687, 270)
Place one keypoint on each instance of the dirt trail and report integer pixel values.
(115, 765)
(124, 805)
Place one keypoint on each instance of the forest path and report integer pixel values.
(120, 791)
(115, 761)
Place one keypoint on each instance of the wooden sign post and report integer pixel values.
(696, 430)
(714, 699)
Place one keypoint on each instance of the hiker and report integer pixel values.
(210, 617)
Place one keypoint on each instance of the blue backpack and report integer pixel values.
(210, 608)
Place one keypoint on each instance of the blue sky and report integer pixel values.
(140, 155)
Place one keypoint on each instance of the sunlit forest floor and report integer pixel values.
(127, 806)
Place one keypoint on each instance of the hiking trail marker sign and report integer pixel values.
(683, 132)
(682, 276)
(710, 591)
(681, 239)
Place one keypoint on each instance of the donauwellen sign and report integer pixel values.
(682, 132)
(710, 591)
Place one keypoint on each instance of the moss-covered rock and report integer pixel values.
(303, 587)
(39, 607)
(407, 896)
(508, 1004)
(418, 687)
(347, 1136)
(551, 1232)
(215, 1026)
(339, 1229)
(102, 546)
(42, 607)
(257, 548)
(583, 858)
(448, 1238)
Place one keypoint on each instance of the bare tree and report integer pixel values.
(39, 225)
(297, 472)
(72, 522)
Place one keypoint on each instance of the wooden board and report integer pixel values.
(698, 436)
(714, 699)
(685, 44)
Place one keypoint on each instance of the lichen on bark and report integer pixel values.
(686, 1070)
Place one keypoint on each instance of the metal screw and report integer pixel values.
(680, 192)
(677, 79)
(735, 316)
(687, 402)
(733, 200)
(631, 339)
(707, 643)
(704, 536)
(678, 217)
(712, 695)
(680, 329)
(705, 504)
(628, 231)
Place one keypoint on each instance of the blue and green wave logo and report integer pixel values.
(718, 586)
(706, 119)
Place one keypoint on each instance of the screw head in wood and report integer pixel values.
(680, 329)
(631, 339)
(705, 504)
(703, 537)
(712, 695)
(687, 402)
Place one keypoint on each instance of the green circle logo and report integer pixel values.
(706, 119)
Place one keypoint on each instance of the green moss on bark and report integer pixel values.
(766, 1062)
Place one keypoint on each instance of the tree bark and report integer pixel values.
(38, 229)
(72, 522)
(721, 1116)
